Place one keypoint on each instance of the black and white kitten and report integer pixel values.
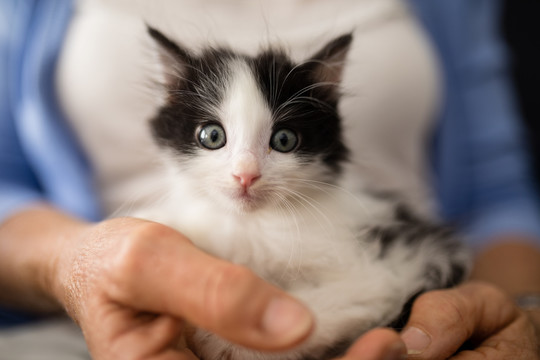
(255, 151)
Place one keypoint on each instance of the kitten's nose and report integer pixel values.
(246, 169)
(246, 179)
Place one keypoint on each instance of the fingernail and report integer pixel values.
(287, 320)
(416, 340)
(397, 351)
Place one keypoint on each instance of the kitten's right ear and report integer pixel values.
(173, 58)
(328, 63)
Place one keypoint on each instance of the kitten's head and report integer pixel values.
(252, 131)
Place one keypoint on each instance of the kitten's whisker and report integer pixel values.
(308, 203)
(287, 77)
(321, 185)
(295, 249)
(150, 199)
(302, 91)
(307, 99)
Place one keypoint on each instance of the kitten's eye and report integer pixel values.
(212, 136)
(284, 140)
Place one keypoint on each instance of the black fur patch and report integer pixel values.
(302, 104)
(297, 99)
(410, 229)
(196, 84)
(399, 323)
(190, 100)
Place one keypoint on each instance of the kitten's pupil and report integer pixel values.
(214, 135)
(284, 139)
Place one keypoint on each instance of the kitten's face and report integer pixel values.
(247, 132)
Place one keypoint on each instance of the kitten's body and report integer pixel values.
(242, 190)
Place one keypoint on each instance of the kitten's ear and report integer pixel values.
(328, 63)
(172, 57)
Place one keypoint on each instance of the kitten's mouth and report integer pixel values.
(247, 199)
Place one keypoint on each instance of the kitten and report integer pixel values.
(255, 153)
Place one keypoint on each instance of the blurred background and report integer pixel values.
(521, 28)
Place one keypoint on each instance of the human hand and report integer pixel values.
(131, 284)
(377, 344)
(472, 321)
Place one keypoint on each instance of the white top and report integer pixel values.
(391, 83)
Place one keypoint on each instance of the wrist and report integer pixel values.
(33, 244)
(63, 276)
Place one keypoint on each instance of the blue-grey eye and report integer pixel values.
(212, 136)
(284, 140)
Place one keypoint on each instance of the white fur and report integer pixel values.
(292, 228)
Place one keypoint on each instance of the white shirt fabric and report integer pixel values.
(108, 71)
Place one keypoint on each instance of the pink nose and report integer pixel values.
(246, 179)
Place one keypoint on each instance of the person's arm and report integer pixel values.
(40, 159)
(513, 265)
(18, 183)
(29, 250)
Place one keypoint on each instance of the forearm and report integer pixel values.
(31, 243)
(513, 266)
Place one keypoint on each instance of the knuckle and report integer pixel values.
(130, 258)
(227, 291)
(136, 245)
(489, 291)
(450, 307)
(152, 230)
(491, 302)
(127, 259)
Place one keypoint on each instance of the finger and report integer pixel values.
(517, 341)
(378, 344)
(126, 335)
(442, 321)
(157, 334)
(176, 278)
(175, 355)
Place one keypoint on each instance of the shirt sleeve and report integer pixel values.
(482, 174)
(40, 158)
(18, 183)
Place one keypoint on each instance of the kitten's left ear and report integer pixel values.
(328, 63)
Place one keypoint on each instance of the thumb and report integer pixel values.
(379, 343)
(442, 321)
(176, 278)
